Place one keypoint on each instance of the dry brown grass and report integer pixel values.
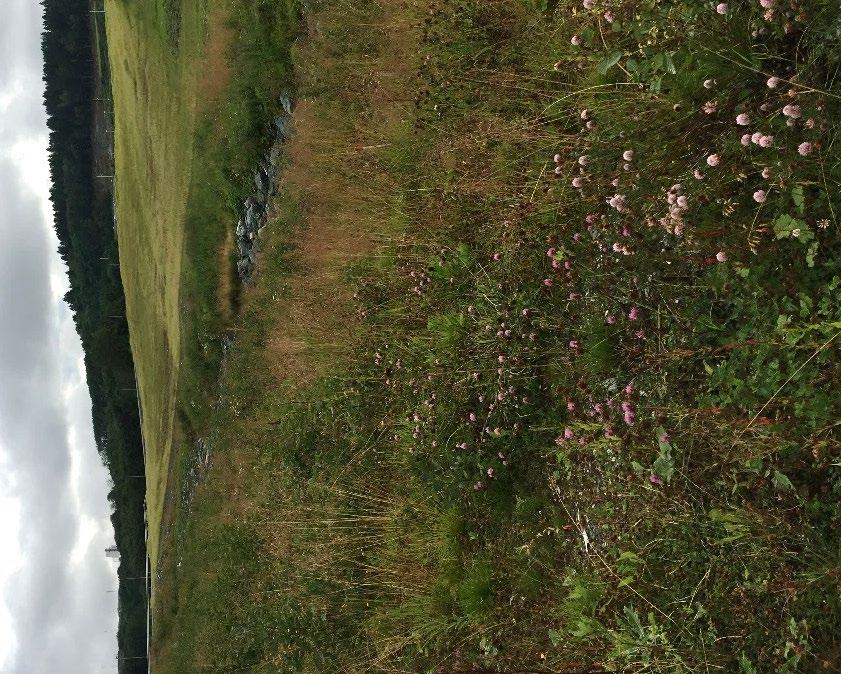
(227, 279)
(215, 68)
(335, 170)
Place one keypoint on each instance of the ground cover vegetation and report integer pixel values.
(77, 96)
(540, 371)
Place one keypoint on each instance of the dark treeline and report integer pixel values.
(83, 211)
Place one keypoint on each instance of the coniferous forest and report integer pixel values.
(78, 108)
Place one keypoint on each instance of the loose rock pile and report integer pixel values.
(256, 207)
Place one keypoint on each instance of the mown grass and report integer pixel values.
(583, 426)
(154, 96)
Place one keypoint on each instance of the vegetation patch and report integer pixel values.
(540, 369)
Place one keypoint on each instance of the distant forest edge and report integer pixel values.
(81, 160)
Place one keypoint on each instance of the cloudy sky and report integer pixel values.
(58, 611)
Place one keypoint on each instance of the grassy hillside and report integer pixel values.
(540, 369)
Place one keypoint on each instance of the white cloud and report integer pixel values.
(11, 559)
(34, 448)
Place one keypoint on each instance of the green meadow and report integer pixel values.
(539, 370)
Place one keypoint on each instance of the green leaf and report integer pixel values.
(608, 62)
(664, 446)
(784, 225)
(781, 482)
(634, 622)
(811, 253)
(798, 198)
(584, 627)
(555, 637)
(745, 665)
(664, 467)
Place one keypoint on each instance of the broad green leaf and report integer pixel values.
(781, 482)
(798, 198)
(608, 62)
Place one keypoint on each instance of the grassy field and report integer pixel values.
(540, 371)
(154, 82)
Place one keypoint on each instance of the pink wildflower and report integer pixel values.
(576, 40)
(585, 114)
(792, 111)
(755, 137)
(767, 4)
(609, 16)
(630, 417)
(573, 344)
(591, 124)
(578, 182)
(713, 160)
(547, 282)
(634, 313)
(557, 159)
(759, 196)
(710, 107)
(698, 175)
(617, 201)
(497, 257)
(766, 173)
(583, 160)
(722, 8)
(766, 141)
(550, 253)
(588, 4)
(773, 82)
(654, 478)
(804, 148)
(769, 15)
(610, 319)
(721, 256)
(709, 84)
(571, 405)
(682, 202)
(745, 139)
(568, 433)
(628, 155)
(743, 119)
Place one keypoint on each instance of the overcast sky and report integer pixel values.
(56, 612)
